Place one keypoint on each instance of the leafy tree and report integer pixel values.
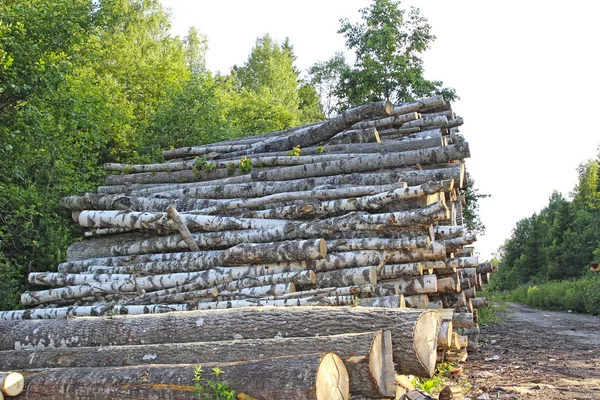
(325, 76)
(388, 44)
(268, 85)
(559, 242)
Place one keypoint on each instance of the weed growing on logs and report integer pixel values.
(211, 389)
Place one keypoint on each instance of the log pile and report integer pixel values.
(364, 209)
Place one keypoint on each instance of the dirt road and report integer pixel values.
(536, 354)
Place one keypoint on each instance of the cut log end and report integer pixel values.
(323, 248)
(12, 383)
(381, 364)
(332, 382)
(425, 340)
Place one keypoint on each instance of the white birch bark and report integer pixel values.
(347, 277)
(425, 284)
(367, 135)
(367, 163)
(391, 271)
(373, 243)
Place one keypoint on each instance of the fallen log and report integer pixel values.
(480, 302)
(415, 285)
(413, 331)
(417, 301)
(319, 376)
(396, 301)
(373, 243)
(367, 356)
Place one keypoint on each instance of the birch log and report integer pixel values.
(372, 202)
(182, 228)
(415, 285)
(368, 135)
(417, 301)
(320, 376)
(367, 356)
(368, 163)
(347, 277)
(321, 133)
(371, 243)
(206, 190)
(11, 383)
(198, 280)
(130, 244)
(413, 331)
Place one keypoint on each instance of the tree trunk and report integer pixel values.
(370, 203)
(294, 302)
(322, 133)
(412, 330)
(96, 201)
(457, 243)
(347, 277)
(318, 376)
(244, 253)
(392, 271)
(367, 356)
(416, 285)
(298, 278)
(371, 243)
(199, 280)
(382, 301)
(12, 383)
(444, 232)
(480, 302)
(367, 163)
(332, 192)
(417, 301)
(130, 244)
(182, 228)
(368, 135)
(212, 190)
(198, 151)
(387, 122)
(393, 146)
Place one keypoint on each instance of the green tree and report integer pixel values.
(388, 44)
(325, 77)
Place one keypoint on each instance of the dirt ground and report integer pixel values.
(536, 354)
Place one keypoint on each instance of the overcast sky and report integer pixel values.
(527, 73)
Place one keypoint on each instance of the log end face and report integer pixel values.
(381, 364)
(332, 382)
(13, 384)
(425, 340)
(388, 108)
(323, 248)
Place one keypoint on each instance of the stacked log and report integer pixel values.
(363, 209)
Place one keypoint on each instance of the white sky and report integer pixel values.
(527, 73)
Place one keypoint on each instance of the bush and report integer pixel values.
(579, 295)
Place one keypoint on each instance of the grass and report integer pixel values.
(441, 379)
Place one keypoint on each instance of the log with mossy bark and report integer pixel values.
(367, 356)
(318, 376)
(413, 331)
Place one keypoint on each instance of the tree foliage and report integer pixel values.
(85, 82)
(560, 241)
(388, 44)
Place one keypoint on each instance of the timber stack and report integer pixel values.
(232, 255)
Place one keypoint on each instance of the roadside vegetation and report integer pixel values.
(545, 263)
